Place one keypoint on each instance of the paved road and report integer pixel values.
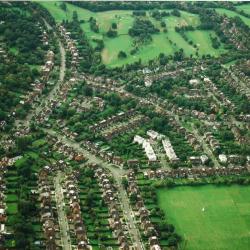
(63, 62)
(117, 174)
(62, 218)
(128, 214)
(62, 52)
(158, 108)
(205, 147)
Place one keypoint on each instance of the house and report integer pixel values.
(133, 162)
(155, 247)
(3, 215)
(147, 147)
(194, 82)
(169, 151)
(143, 212)
(195, 160)
(153, 241)
(204, 159)
(154, 135)
(80, 232)
(223, 158)
(118, 160)
(124, 246)
(234, 159)
(83, 245)
(148, 81)
(49, 231)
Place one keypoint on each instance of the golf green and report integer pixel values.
(209, 217)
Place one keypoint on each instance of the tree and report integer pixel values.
(24, 168)
(26, 208)
(93, 24)
(88, 91)
(91, 196)
(111, 33)
(172, 241)
(2, 115)
(176, 12)
(75, 16)
(114, 99)
(125, 182)
(63, 6)
(114, 26)
(163, 24)
(23, 142)
(158, 123)
(133, 197)
(21, 230)
(122, 55)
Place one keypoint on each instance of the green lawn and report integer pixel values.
(11, 198)
(230, 13)
(12, 208)
(244, 7)
(39, 143)
(223, 225)
(203, 41)
(167, 43)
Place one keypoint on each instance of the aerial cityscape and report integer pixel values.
(124, 125)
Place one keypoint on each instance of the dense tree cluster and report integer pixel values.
(158, 15)
(93, 25)
(143, 29)
(21, 41)
(19, 31)
(112, 33)
(104, 6)
(215, 42)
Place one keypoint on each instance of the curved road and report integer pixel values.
(38, 108)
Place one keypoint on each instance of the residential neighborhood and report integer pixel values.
(124, 125)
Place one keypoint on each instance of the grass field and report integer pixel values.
(202, 39)
(167, 43)
(230, 13)
(244, 7)
(223, 225)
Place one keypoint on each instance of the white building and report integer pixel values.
(223, 158)
(147, 147)
(169, 150)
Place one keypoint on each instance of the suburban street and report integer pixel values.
(108, 121)
(117, 174)
(205, 147)
(62, 218)
(51, 95)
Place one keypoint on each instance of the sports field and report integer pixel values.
(209, 217)
(167, 43)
